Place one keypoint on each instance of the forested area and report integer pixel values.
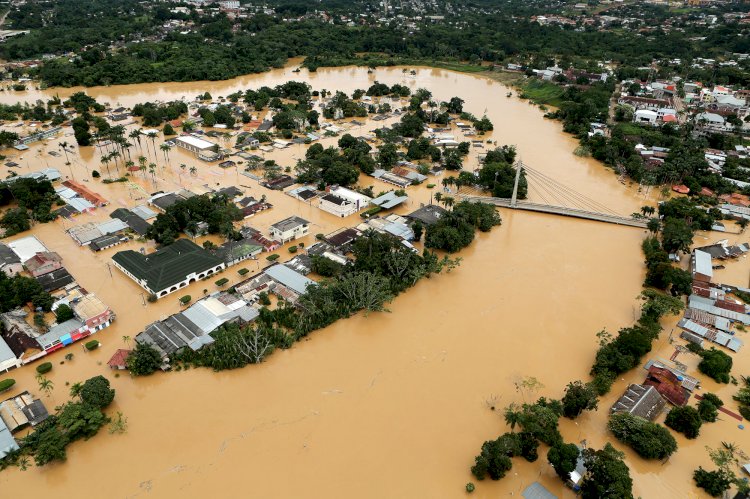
(214, 50)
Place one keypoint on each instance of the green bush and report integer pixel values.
(221, 282)
(243, 271)
(92, 345)
(686, 420)
(292, 249)
(44, 368)
(185, 299)
(6, 384)
(713, 482)
(649, 440)
(371, 212)
(272, 258)
(715, 364)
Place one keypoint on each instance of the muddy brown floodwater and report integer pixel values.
(386, 405)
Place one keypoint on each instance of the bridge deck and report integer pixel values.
(561, 210)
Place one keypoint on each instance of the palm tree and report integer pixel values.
(126, 339)
(64, 146)
(105, 161)
(114, 155)
(512, 416)
(448, 201)
(125, 146)
(152, 136)
(136, 134)
(142, 162)
(193, 171)
(45, 385)
(152, 171)
(438, 197)
(129, 164)
(75, 389)
(165, 148)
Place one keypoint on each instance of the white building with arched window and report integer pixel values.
(170, 268)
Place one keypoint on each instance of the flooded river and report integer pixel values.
(389, 405)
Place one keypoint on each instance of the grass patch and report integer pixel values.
(542, 92)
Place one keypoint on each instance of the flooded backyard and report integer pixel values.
(385, 405)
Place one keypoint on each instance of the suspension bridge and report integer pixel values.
(558, 199)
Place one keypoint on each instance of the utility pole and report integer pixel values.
(110, 270)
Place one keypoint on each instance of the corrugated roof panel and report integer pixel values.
(289, 278)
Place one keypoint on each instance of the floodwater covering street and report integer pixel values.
(385, 405)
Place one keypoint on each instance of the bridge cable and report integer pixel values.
(567, 199)
(583, 199)
(574, 197)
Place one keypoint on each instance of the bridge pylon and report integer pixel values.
(514, 198)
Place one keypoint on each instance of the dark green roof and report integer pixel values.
(167, 266)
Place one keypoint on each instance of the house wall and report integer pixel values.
(12, 269)
(340, 210)
(9, 364)
(105, 317)
(289, 235)
(186, 146)
(189, 279)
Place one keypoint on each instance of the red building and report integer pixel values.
(668, 385)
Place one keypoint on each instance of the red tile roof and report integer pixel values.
(118, 359)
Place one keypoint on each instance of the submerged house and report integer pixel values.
(668, 385)
(169, 268)
(7, 442)
(289, 229)
(21, 411)
(640, 400)
(191, 328)
(428, 214)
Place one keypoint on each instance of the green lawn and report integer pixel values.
(542, 92)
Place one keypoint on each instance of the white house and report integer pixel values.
(645, 116)
(711, 121)
(343, 202)
(194, 144)
(290, 229)
(8, 359)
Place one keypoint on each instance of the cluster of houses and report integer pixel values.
(191, 327)
(174, 267)
(77, 197)
(22, 340)
(711, 315)
(717, 109)
(663, 384)
(17, 413)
